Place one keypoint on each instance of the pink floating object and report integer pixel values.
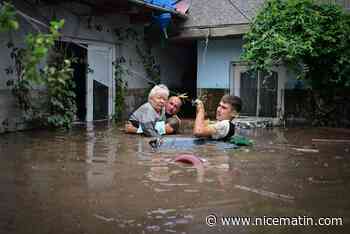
(189, 158)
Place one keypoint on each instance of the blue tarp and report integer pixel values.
(170, 4)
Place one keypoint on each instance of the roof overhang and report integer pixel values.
(159, 8)
(138, 8)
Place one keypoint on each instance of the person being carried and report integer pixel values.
(228, 108)
(149, 118)
(172, 123)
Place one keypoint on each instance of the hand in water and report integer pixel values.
(155, 143)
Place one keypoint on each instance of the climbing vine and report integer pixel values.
(149, 62)
(60, 108)
(26, 63)
(37, 47)
(8, 19)
(120, 87)
(146, 59)
(61, 96)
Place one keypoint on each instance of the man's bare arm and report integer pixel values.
(200, 128)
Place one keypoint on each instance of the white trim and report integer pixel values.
(110, 49)
(89, 82)
(258, 105)
(235, 85)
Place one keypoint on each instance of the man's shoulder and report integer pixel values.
(222, 128)
(220, 122)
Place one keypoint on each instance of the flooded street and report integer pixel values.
(99, 180)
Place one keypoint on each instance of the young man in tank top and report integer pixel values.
(228, 108)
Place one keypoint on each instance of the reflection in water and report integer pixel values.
(159, 174)
(100, 155)
(99, 180)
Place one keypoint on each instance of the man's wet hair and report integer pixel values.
(174, 123)
(234, 101)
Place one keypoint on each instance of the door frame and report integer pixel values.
(236, 68)
(89, 80)
(111, 82)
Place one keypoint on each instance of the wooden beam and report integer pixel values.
(196, 33)
(229, 31)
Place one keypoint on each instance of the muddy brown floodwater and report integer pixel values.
(99, 180)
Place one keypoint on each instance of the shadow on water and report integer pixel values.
(99, 180)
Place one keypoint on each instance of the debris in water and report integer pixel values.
(154, 228)
(104, 218)
(161, 190)
(169, 230)
(240, 141)
(307, 150)
(162, 211)
(266, 193)
(191, 190)
(322, 180)
(155, 143)
(172, 224)
(182, 221)
(331, 140)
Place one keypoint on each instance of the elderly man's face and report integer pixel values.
(158, 101)
(173, 105)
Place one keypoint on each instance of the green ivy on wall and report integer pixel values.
(120, 71)
(8, 19)
(61, 97)
(56, 76)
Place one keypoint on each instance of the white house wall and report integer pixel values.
(214, 65)
(215, 71)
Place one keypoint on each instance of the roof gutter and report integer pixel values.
(159, 8)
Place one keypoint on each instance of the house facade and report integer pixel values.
(201, 55)
(97, 33)
(218, 27)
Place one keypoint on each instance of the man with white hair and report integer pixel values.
(149, 118)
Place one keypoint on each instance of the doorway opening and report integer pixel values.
(189, 82)
(78, 54)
